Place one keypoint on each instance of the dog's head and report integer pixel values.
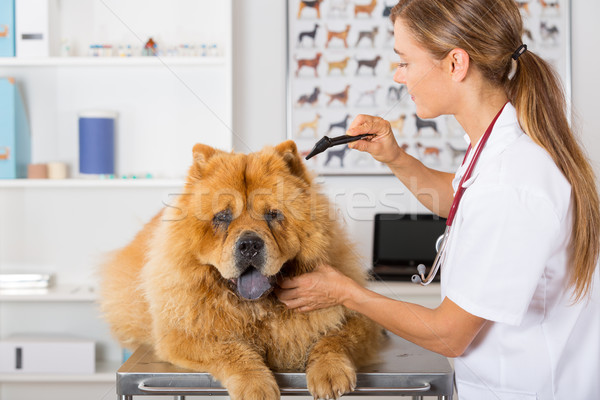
(248, 216)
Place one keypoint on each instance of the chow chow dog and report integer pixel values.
(195, 283)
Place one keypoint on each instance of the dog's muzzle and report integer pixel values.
(250, 249)
(250, 257)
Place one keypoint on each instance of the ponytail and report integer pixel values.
(536, 93)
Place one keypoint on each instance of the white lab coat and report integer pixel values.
(507, 262)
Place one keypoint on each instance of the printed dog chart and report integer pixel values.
(341, 63)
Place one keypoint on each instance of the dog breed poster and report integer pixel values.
(341, 63)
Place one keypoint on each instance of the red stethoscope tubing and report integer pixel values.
(420, 277)
(461, 190)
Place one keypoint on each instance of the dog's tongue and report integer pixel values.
(252, 285)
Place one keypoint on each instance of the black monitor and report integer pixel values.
(403, 241)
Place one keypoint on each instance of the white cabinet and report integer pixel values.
(65, 227)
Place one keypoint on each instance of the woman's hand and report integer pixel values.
(383, 146)
(324, 287)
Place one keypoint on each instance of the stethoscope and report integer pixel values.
(442, 241)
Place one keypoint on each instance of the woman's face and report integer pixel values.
(422, 74)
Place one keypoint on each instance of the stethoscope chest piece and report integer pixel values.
(440, 246)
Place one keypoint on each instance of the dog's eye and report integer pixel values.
(222, 218)
(273, 215)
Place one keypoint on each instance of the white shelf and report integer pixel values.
(61, 293)
(105, 372)
(109, 61)
(87, 293)
(91, 183)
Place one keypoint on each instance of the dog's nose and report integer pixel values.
(249, 245)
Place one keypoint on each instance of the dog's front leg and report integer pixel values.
(331, 366)
(330, 371)
(235, 364)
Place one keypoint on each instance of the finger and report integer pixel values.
(366, 124)
(360, 145)
(361, 124)
(289, 283)
(294, 303)
(286, 294)
(357, 121)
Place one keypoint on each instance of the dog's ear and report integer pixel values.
(202, 153)
(289, 153)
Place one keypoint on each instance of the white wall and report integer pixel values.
(586, 77)
(260, 95)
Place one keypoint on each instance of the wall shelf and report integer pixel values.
(60, 293)
(110, 61)
(89, 183)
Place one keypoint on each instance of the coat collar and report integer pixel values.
(505, 131)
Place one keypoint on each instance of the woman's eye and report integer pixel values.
(402, 65)
(273, 215)
(222, 218)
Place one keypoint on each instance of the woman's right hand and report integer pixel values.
(383, 146)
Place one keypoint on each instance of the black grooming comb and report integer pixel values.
(327, 142)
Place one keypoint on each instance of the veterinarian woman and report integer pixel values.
(520, 286)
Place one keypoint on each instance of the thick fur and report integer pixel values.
(171, 286)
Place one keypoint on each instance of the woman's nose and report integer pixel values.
(399, 76)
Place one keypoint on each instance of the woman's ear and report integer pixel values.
(459, 64)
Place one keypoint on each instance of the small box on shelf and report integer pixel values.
(32, 22)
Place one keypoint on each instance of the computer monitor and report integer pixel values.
(403, 241)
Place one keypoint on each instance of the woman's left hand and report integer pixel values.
(324, 287)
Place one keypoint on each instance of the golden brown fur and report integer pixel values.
(171, 286)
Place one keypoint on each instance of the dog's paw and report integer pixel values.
(331, 377)
(253, 387)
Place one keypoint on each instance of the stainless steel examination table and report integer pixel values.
(405, 370)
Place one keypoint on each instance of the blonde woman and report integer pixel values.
(520, 306)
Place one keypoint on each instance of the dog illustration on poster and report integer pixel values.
(310, 4)
(312, 124)
(311, 99)
(338, 65)
(308, 34)
(341, 97)
(366, 8)
(309, 63)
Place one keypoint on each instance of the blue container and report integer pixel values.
(97, 142)
(7, 28)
